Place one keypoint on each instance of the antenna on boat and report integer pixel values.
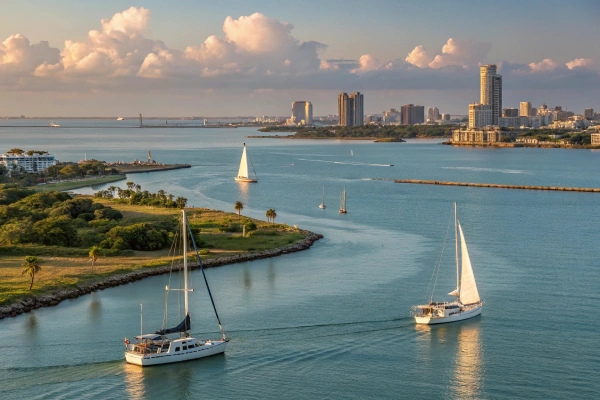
(141, 320)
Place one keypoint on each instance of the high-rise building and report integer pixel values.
(480, 115)
(491, 90)
(525, 109)
(350, 109)
(412, 114)
(510, 112)
(588, 113)
(302, 112)
(445, 117)
(433, 114)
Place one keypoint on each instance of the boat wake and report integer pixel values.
(348, 163)
(480, 169)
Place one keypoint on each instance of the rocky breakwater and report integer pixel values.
(52, 299)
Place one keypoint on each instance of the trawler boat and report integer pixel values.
(467, 304)
(243, 173)
(176, 344)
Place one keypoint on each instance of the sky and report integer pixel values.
(230, 58)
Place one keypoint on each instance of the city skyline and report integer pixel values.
(114, 59)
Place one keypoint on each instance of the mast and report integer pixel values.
(185, 263)
(456, 240)
(323, 201)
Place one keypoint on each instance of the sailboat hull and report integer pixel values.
(146, 360)
(243, 179)
(460, 316)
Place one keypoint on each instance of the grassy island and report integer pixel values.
(380, 133)
(81, 240)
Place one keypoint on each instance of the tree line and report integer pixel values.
(134, 195)
(366, 131)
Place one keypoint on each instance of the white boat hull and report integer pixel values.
(206, 350)
(242, 179)
(460, 316)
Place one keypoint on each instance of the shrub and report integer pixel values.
(108, 213)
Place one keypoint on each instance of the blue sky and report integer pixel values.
(243, 73)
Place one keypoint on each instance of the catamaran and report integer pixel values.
(175, 344)
(467, 304)
(322, 205)
(243, 173)
(343, 202)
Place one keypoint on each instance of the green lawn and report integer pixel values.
(61, 186)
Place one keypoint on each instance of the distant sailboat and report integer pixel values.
(243, 173)
(54, 124)
(120, 119)
(467, 304)
(351, 153)
(322, 205)
(343, 202)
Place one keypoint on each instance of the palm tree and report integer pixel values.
(239, 206)
(273, 215)
(268, 214)
(94, 255)
(32, 266)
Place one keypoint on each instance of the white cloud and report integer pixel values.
(367, 63)
(18, 56)
(545, 65)
(456, 52)
(580, 63)
(420, 57)
(259, 34)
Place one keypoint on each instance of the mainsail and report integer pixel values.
(184, 326)
(243, 172)
(468, 287)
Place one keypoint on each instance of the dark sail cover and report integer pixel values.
(182, 327)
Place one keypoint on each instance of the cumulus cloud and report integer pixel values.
(580, 63)
(456, 52)
(18, 56)
(545, 65)
(367, 63)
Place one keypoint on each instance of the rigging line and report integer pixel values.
(205, 280)
(172, 255)
(253, 169)
(439, 263)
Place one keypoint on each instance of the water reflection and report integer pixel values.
(244, 188)
(31, 324)
(247, 279)
(95, 307)
(271, 275)
(134, 381)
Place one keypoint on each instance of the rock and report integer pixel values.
(53, 302)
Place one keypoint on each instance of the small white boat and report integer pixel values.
(343, 202)
(351, 153)
(54, 124)
(243, 172)
(322, 205)
(175, 344)
(467, 304)
(120, 119)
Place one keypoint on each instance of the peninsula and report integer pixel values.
(379, 133)
(83, 243)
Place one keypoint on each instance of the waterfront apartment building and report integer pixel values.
(480, 115)
(491, 90)
(350, 109)
(525, 109)
(588, 114)
(30, 161)
(433, 114)
(412, 114)
(481, 135)
(302, 112)
(510, 112)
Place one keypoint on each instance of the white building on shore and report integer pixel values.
(30, 161)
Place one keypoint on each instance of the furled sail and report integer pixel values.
(468, 287)
(243, 172)
(182, 327)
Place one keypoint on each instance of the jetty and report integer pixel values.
(498, 186)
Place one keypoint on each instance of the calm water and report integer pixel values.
(333, 322)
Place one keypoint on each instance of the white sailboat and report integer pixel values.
(322, 205)
(243, 173)
(175, 344)
(351, 153)
(343, 202)
(467, 304)
(54, 124)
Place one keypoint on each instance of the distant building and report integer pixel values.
(491, 90)
(350, 109)
(510, 112)
(481, 135)
(595, 139)
(525, 109)
(433, 114)
(302, 112)
(445, 117)
(480, 115)
(509, 122)
(588, 113)
(30, 161)
(412, 114)
(391, 116)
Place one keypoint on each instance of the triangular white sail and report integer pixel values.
(468, 287)
(243, 172)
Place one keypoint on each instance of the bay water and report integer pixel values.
(334, 321)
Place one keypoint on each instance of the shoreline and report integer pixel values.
(528, 145)
(78, 184)
(138, 169)
(54, 298)
(498, 186)
(292, 137)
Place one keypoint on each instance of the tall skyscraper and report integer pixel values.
(491, 90)
(302, 111)
(480, 115)
(525, 109)
(350, 109)
(412, 114)
(433, 114)
(588, 113)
